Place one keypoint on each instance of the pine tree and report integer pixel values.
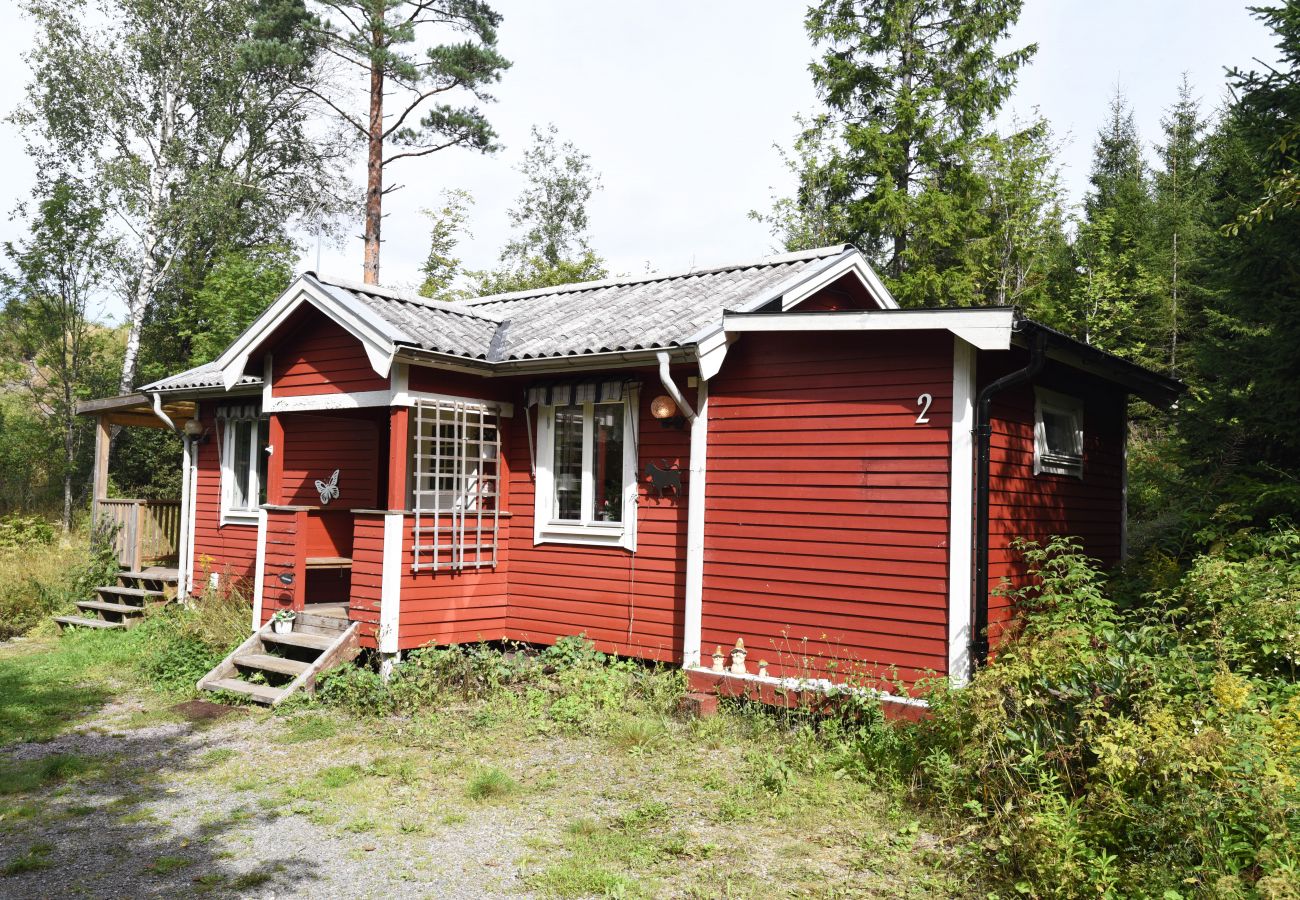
(911, 87)
(405, 116)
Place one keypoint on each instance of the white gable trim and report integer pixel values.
(855, 264)
(376, 336)
(986, 329)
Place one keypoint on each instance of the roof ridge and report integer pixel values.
(387, 293)
(577, 287)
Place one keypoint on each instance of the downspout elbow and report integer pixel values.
(666, 378)
(158, 411)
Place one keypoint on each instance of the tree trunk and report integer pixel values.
(375, 169)
(69, 460)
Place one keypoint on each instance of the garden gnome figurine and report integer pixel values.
(738, 657)
(718, 657)
(762, 668)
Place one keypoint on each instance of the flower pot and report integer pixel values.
(282, 626)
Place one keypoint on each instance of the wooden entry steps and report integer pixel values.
(124, 604)
(268, 667)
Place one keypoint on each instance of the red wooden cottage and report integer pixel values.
(771, 451)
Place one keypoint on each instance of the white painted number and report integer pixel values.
(924, 402)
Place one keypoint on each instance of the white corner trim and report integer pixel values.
(183, 551)
(307, 402)
(390, 590)
(986, 329)
(693, 602)
(855, 264)
(961, 497)
(259, 569)
(268, 375)
(376, 336)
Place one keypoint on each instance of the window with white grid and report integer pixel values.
(456, 453)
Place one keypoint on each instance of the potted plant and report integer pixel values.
(282, 621)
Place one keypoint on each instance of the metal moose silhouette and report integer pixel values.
(664, 478)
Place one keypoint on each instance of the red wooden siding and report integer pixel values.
(826, 526)
(228, 550)
(314, 355)
(284, 556)
(845, 292)
(452, 607)
(315, 444)
(1022, 504)
(629, 603)
(367, 573)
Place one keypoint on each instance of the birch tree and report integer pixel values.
(52, 345)
(185, 112)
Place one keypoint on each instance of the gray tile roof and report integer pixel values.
(204, 376)
(617, 314)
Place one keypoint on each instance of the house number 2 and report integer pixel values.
(924, 402)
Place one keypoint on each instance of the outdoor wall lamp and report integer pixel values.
(194, 429)
(665, 410)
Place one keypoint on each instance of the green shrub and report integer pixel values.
(1153, 752)
(25, 531)
(570, 687)
(181, 643)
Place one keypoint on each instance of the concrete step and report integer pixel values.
(268, 663)
(299, 639)
(87, 623)
(122, 609)
(260, 693)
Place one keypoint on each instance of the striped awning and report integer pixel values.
(575, 393)
(239, 410)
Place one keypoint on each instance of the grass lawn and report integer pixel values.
(547, 790)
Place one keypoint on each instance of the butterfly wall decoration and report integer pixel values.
(329, 490)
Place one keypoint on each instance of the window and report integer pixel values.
(455, 449)
(1058, 434)
(586, 472)
(243, 465)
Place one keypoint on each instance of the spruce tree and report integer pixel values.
(1178, 227)
(1116, 307)
(911, 87)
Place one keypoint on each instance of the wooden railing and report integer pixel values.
(146, 532)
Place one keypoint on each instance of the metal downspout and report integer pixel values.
(983, 440)
(666, 378)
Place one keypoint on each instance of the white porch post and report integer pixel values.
(390, 593)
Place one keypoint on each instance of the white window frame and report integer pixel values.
(1046, 462)
(231, 514)
(587, 531)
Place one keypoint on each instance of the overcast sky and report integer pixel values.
(679, 105)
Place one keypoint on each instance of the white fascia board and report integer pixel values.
(376, 336)
(309, 402)
(855, 264)
(985, 329)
